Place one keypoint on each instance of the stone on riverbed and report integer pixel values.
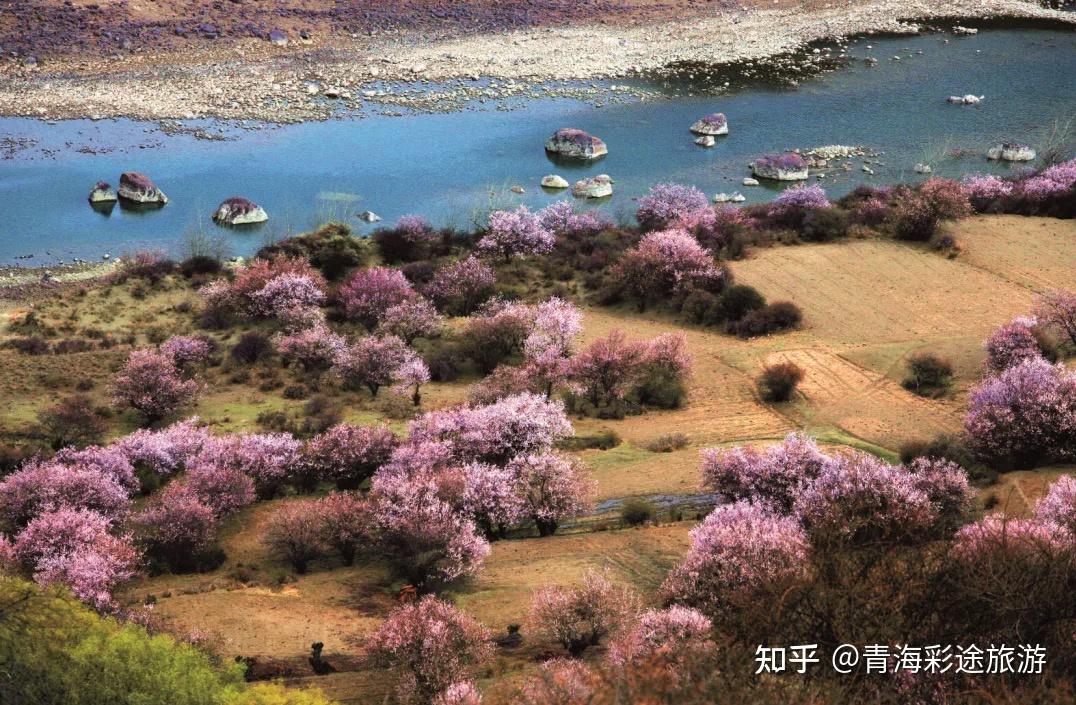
(706, 141)
(139, 188)
(369, 217)
(576, 144)
(103, 193)
(239, 211)
(597, 187)
(554, 181)
(713, 124)
(1012, 152)
(748, 181)
(780, 167)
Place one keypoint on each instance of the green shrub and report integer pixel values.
(824, 224)
(667, 443)
(927, 374)
(637, 511)
(778, 382)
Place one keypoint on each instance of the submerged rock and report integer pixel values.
(713, 124)
(923, 169)
(554, 181)
(139, 188)
(597, 187)
(103, 193)
(780, 167)
(239, 211)
(1011, 152)
(369, 217)
(706, 141)
(576, 144)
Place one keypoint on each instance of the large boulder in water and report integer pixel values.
(139, 188)
(103, 193)
(713, 124)
(598, 187)
(576, 144)
(780, 167)
(1012, 152)
(239, 211)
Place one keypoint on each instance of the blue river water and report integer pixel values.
(446, 166)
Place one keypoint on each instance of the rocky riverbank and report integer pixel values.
(247, 80)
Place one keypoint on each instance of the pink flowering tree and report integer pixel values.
(372, 362)
(773, 477)
(606, 369)
(371, 292)
(108, 462)
(1059, 505)
(492, 498)
(42, 486)
(668, 203)
(556, 324)
(150, 383)
(75, 548)
(348, 455)
(313, 349)
(461, 693)
(1057, 309)
(946, 486)
(861, 500)
(562, 681)
(177, 528)
(186, 352)
(495, 433)
(429, 646)
(222, 488)
(294, 534)
(1011, 344)
(461, 287)
(410, 376)
(552, 488)
(561, 219)
(663, 263)
(164, 452)
(293, 299)
(1024, 416)
(414, 318)
(792, 206)
(580, 616)
(740, 554)
(271, 460)
(667, 634)
(428, 538)
(515, 233)
(346, 523)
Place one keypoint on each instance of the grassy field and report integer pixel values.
(868, 305)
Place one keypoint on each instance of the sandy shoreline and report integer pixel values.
(292, 87)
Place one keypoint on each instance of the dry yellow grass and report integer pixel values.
(1037, 253)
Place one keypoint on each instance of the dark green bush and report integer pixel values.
(635, 512)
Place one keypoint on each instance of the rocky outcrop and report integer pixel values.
(780, 167)
(713, 124)
(575, 144)
(103, 193)
(598, 187)
(1011, 152)
(554, 181)
(139, 188)
(239, 211)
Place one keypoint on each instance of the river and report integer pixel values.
(445, 166)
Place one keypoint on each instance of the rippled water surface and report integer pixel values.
(445, 166)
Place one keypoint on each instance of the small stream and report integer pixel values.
(446, 166)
